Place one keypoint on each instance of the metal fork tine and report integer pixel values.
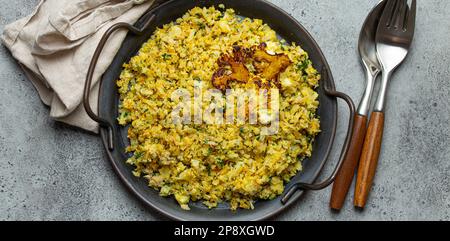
(395, 12)
(412, 17)
(401, 14)
(388, 12)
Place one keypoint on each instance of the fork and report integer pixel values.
(393, 41)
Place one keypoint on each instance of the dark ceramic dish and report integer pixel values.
(115, 139)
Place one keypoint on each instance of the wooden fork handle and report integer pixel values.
(369, 158)
(345, 175)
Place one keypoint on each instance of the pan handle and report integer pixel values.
(147, 19)
(318, 186)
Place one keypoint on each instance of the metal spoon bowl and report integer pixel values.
(368, 53)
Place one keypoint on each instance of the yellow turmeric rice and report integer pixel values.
(214, 164)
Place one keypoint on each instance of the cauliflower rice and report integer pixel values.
(213, 163)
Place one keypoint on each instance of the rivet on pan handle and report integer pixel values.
(318, 186)
(138, 31)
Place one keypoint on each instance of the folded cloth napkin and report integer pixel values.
(55, 44)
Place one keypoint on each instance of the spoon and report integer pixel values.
(368, 54)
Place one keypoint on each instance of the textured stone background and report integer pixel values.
(49, 171)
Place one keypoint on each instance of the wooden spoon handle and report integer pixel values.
(345, 175)
(369, 158)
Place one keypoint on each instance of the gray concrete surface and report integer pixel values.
(49, 171)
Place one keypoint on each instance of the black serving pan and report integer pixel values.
(115, 139)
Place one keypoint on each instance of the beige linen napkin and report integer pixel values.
(54, 46)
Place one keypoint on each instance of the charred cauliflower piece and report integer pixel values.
(232, 68)
(270, 66)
